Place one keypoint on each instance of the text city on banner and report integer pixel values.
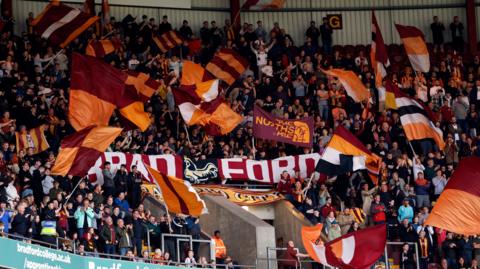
(265, 171)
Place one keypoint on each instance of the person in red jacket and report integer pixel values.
(377, 210)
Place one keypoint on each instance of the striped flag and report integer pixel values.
(193, 73)
(378, 53)
(415, 46)
(100, 48)
(352, 84)
(97, 89)
(80, 151)
(227, 65)
(179, 196)
(457, 207)
(345, 153)
(263, 4)
(168, 40)
(200, 104)
(61, 24)
(33, 138)
(347, 251)
(416, 120)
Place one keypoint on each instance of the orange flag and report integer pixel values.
(179, 196)
(352, 84)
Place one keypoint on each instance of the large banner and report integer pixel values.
(234, 195)
(266, 171)
(295, 132)
(18, 254)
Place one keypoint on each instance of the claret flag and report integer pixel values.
(79, 151)
(167, 41)
(100, 48)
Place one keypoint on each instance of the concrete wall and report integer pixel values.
(246, 236)
(288, 224)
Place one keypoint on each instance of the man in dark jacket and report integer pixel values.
(120, 179)
(21, 221)
(139, 231)
(124, 235)
(108, 234)
(108, 183)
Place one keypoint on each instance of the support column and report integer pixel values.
(7, 8)
(235, 13)
(471, 26)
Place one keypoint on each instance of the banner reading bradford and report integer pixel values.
(297, 132)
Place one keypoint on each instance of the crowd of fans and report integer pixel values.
(284, 78)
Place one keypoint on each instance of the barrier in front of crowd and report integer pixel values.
(22, 254)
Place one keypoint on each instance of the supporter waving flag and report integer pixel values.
(179, 196)
(352, 84)
(61, 24)
(227, 65)
(80, 151)
(347, 251)
(416, 121)
(345, 153)
(415, 46)
(457, 208)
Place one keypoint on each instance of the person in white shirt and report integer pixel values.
(190, 259)
(47, 182)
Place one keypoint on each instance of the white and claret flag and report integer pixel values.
(179, 196)
(61, 24)
(200, 104)
(263, 4)
(345, 153)
(378, 53)
(352, 84)
(347, 251)
(415, 119)
(457, 208)
(415, 46)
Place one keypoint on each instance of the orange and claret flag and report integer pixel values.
(200, 104)
(416, 120)
(227, 65)
(97, 89)
(100, 48)
(352, 84)
(347, 251)
(457, 207)
(179, 196)
(61, 24)
(79, 151)
(167, 41)
(415, 46)
(263, 4)
(378, 53)
(33, 138)
(193, 73)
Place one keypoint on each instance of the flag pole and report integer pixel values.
(53, 58)
(73, 191)
(253, 147)
(188, 135)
